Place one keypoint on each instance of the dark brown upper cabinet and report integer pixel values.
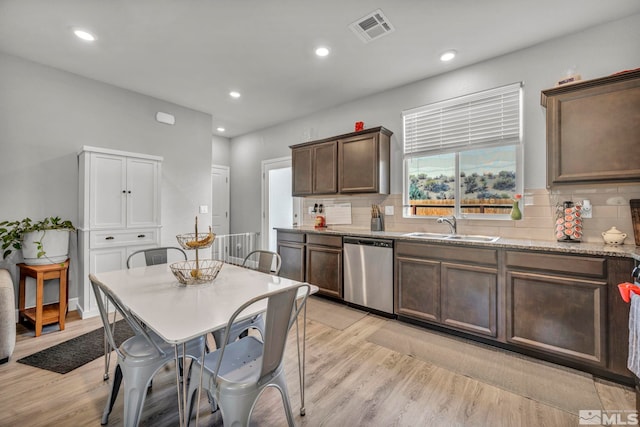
(315, 169)
(593, 130)
(302, 166)
(357, 162)
(363, 163)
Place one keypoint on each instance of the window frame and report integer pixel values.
(519, 156)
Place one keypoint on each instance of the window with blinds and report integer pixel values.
(485, 118)
(462, 155)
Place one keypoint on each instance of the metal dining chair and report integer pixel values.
(154, 256)
(151, 256)
(265, 262)
(236, 374)
(139, 357)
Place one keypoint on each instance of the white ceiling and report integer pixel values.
(193, 52)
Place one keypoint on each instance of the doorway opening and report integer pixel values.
(279, 208)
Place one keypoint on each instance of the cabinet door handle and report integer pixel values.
(124, 191)
(109, 238)
(140, 236)
(129, 191)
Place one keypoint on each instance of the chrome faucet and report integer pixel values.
(451, 220)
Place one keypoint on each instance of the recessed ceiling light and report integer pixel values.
(234, 94)
(84, 35)
(220, 129)
(322, 51)
(448, 56)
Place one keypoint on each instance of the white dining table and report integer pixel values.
(179, 313)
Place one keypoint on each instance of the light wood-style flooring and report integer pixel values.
(350, 382)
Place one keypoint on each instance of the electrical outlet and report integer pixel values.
(388, 210)
(204, 209)
(587, 209)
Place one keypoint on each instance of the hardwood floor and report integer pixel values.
(350, 382)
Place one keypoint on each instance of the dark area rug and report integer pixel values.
(72, 354)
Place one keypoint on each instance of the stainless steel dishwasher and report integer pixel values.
(368, 273)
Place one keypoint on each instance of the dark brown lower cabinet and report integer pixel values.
(324, 264)
(418, 288)
(557, 304)
(312, 257)
(291, 247)
(469, 298)
(433, 284)
(557, 314)
(618, 271)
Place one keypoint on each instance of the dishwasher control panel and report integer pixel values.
(380, 243)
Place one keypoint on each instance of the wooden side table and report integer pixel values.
(44, 314)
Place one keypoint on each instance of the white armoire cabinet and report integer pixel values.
(119, 200)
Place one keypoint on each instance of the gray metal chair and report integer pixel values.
(237, 373)
(265, 262)
(156, 256)
(139, 357)
(152, 256)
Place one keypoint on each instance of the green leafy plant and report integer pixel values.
(12, 232)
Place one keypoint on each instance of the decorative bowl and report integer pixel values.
(190, 241)
(613, 236)
(187, 273)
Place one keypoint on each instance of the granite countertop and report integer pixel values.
(599, 249)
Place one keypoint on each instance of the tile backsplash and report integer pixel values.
(610, 209)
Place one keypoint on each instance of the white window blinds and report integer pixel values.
(491, 117)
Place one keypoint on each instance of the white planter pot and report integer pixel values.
(55, 244)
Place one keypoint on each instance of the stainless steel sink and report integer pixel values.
(471, 238)
(456, 237)
(427, 235)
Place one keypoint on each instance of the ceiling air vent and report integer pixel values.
(372, 26)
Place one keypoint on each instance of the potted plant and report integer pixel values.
(42, 242)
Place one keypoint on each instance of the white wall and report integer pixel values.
(220, 151)
(47, 115)
(596, 52)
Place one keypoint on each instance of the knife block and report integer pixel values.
(377, 224)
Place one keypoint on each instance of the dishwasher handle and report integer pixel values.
(363, 241)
